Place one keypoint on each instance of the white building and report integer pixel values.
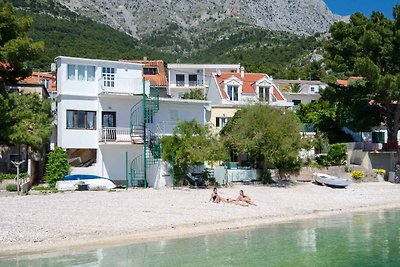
(184, 77)
(228, 92)
(103, 119)
(300, 91)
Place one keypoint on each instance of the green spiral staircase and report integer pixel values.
(141, 114)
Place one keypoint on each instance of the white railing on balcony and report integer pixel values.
(114, 135)
(165, 127)
(121, 86)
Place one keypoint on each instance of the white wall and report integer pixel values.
(173, 111)
(128, 77)
(121, 105)
(112, 160)
(76, 138)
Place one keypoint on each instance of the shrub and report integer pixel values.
(9, 176)
(11, 188)
(380, 171)
(337, 154)
(57, 166)
(266, 178)
(357, 175)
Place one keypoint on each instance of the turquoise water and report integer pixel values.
(360, 239)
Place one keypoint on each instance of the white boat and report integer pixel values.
(84, 182)
(330, 180)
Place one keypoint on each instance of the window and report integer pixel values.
(108, 77)
(192, 79)
(150, 71)
(233, 92)
(79, 119)
(263, 94)
(71, 72)
(296, 102)
(180, 80)
(80, 72)
(221, 122)
(91, 70)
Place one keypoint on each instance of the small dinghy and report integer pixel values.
(330, 180)
(84, 182)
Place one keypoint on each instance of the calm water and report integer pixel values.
(361, 239)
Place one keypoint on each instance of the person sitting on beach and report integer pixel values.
(215, 197)
(242, 197)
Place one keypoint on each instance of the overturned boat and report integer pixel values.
(84, 182)
(330, 180)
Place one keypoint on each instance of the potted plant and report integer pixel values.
(380, 173)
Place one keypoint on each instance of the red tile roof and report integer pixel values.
(38, 77)
(248, 80)
(159, 79)
(346, 82)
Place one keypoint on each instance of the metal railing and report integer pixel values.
(114, 134)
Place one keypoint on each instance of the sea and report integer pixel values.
(352, 239)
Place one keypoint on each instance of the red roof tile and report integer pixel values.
(159, 79)
(346, 82)
(248, 80)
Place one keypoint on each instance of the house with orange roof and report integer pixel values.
(154, 71)
(349, 80)
(229, 91)
(185, 77)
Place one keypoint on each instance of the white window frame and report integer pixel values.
(75, 120)
(232, 95)
(266, 92)
(108, 76)
(220, 122)
(73, 71)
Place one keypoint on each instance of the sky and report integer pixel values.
(348, 7)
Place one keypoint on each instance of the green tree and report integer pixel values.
(325, 117)
(265, 133)
(192, 144)
(369, 47)
(57, 166)
(31, 119)
(195, 94)
(16, 48)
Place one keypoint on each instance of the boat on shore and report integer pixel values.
(330, 180)
(84, 182)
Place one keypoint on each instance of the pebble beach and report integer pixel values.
(57, 221)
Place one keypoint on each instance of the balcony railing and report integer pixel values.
(121, 85)
(114, 135)
(165, 127)
(198, 83)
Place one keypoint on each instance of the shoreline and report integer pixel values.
(243, 218)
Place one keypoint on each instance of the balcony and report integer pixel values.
(123, 86)
(115, 135)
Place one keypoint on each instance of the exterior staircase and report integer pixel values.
(141, 114)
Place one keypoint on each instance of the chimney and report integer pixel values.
(242, 71)
(218, 72)
(144, 59)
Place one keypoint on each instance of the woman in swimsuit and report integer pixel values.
(215, 197)
(242, 197)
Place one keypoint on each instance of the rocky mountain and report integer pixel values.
(142, 18)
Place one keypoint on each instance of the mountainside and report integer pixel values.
(232, 40)
(141, 18)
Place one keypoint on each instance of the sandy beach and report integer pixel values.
(59, 221)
